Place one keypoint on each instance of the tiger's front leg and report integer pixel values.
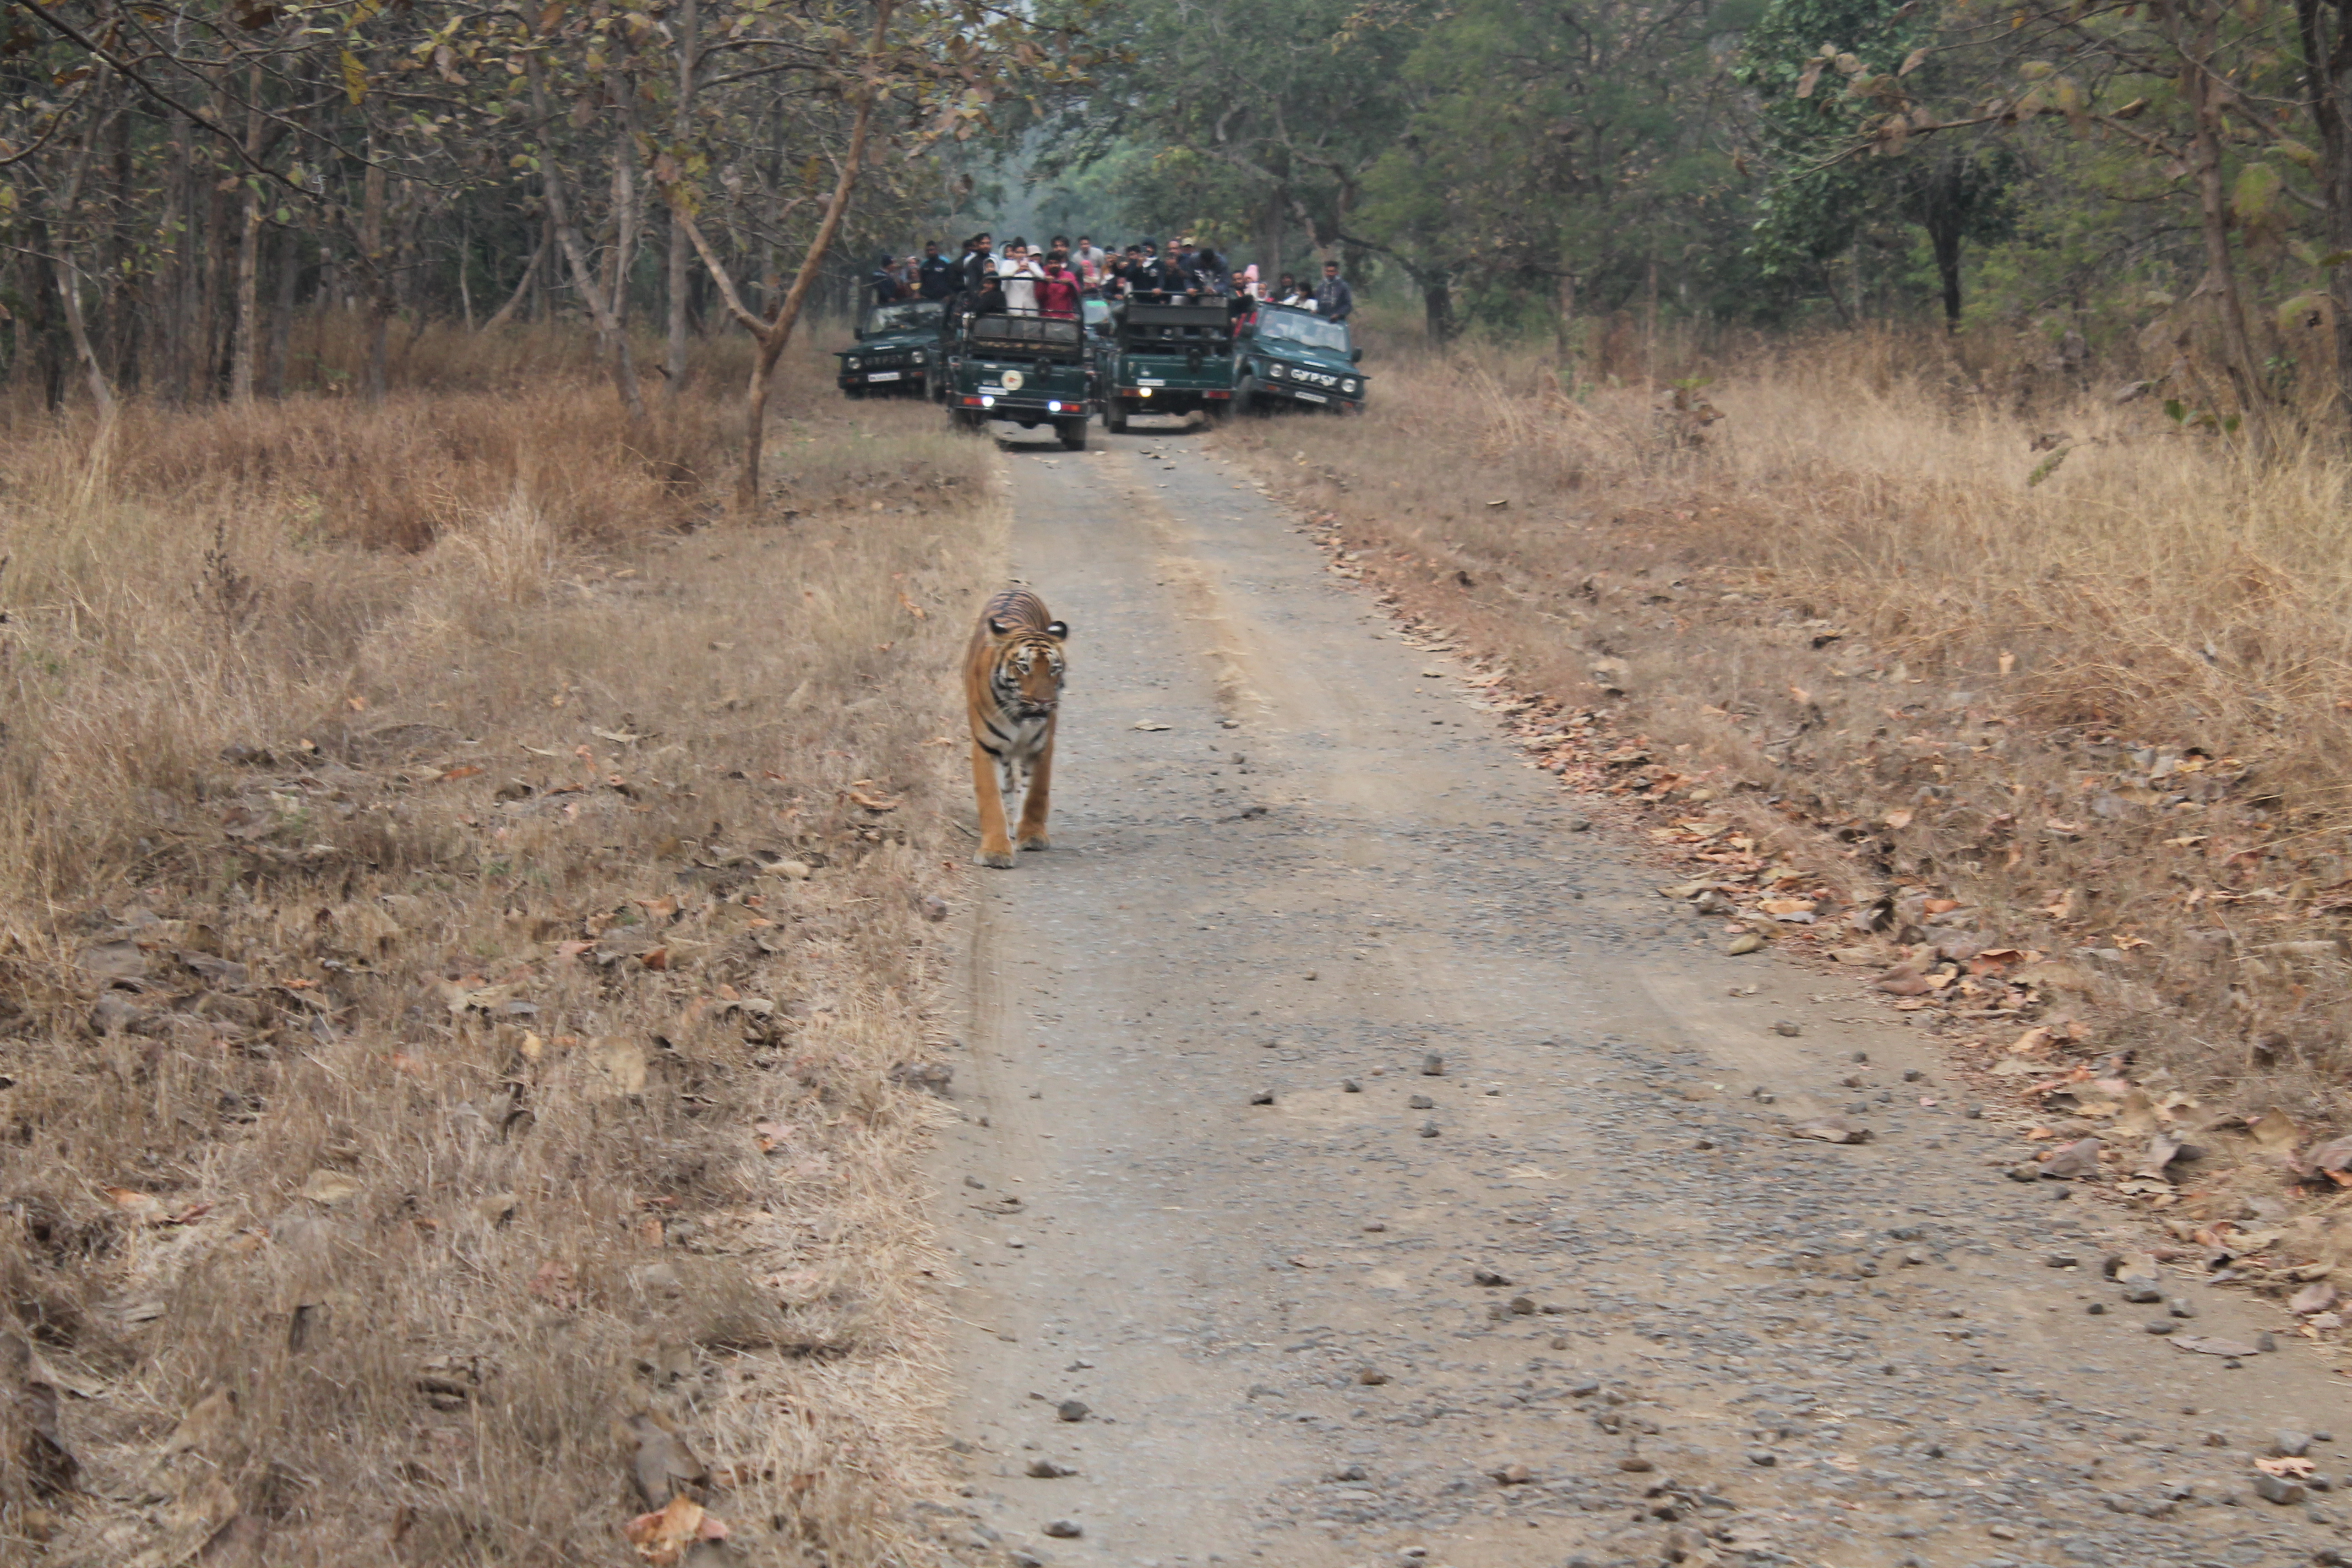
(1038, 799)
(995, 847)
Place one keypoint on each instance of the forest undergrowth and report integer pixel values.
(467, 909)
(2032, 708)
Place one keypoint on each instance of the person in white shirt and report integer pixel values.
(1020, 274)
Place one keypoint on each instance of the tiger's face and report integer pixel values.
(1028, 676)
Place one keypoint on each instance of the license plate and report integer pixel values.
(883, 376)
(1311, 397)
(1148, 381)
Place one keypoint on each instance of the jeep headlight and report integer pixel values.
(1278, 371)
(853, 361)
(1349, 386)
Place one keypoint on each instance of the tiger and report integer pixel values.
(1012, 684)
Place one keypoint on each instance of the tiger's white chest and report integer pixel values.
(1029, 736)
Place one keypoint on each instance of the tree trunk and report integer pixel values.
(1944, 238)
(177, 284)
(2327, 63)
(245, 339)
(281, 311)
(687, 21)
(1564, 324)
(1437, 310)
(583, 274)
(521, 290)
(2195, 29)
(376, 265)
(59, 240)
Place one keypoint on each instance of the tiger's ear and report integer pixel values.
(1058, 631)
(998, 626)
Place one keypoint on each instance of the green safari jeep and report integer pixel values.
(1290, 355)
(1031, 369)
(1166, 359)
(898, 349)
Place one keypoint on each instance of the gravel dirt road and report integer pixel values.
(1384, 1167)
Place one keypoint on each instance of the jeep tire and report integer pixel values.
(1073, 433)
(1115, 416)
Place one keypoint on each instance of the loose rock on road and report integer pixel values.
(1358, 1163)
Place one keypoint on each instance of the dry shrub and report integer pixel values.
(1877, 598)
(453, 994)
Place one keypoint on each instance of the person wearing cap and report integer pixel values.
(887, 288)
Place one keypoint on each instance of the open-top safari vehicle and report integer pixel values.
(1031, 369)
(1166, 359)
(898, 347)
(1290, 355)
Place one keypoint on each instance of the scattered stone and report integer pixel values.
(1973, 1113)
(2096, 1309)
(1377, 1225)
(1580, 824)
(1911, 1074)
(2265, 1342)
(1523, 1306)
(1635, 1464)
(2280, 1489)
(1371, 1376)
(1064, 1529)
(1513, 1475)
(2210, 1345)
(2162, 1326)
(2062, 1260)
(1421, 1102)
(1263, 1097)
(1350, 1086)
(2288, 1444)
(2023, 1173)
(1832, 1129)
(1787, 1027)
(2180, 1307)
(1432, 1065)
(2073, 1161)
(1073, 1410)
(1048, 1470)
(1429, 1130)
(1746, 943)
(1764, 1457)
(1483, 1275)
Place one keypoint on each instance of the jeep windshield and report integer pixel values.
(1025, 336)
(1308, 330)
(910, 315)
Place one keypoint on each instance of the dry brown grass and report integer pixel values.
(1850, 610)
(453, 991)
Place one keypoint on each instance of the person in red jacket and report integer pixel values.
(1057, 292)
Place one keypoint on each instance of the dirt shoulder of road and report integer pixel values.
(465, 1107)
(2071, 911)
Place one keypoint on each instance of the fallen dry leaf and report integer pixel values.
(447, 774)
(1149, 724)
(2285, 1466)
(662, 1538)
(872, 802)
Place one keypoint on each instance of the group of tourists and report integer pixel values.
(1057, 280)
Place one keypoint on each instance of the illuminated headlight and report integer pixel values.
(988, 403)
(1349, 387)
(1144, 392)
(853, 362)
(1052, 408)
